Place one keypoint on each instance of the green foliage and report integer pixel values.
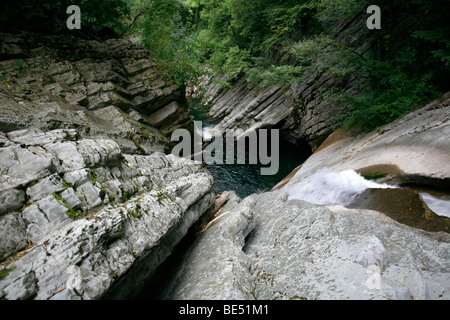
(395, 69)
(162, 26)
(99, 18)
(5, 272)
(72, 213)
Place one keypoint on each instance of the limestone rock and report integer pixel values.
(217, 269)
(67, 84)
(11, 200)
(147, 223)
(297, 250)
(89, 203)
(301, 111)
(413, 149)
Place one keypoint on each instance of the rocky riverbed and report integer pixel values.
(91, 201)
(274, 246)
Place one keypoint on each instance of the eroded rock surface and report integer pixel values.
(56, 81)
(80, 214)
(87, 194)
(301, 111)
(269, 247)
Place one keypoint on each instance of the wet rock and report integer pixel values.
(269, 247)
(403, 205)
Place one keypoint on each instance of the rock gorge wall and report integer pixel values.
(302, 112)
(305, 112)
(274, 246)
(114, 80)
(90, 204)
(87, 195)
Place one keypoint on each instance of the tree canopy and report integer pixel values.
(397, 68)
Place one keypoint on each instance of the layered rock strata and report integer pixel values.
(273, 246)
(114, 79)
(88, 200)
(301, 111)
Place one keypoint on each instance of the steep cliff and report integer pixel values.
(87, 195)
(302, 111)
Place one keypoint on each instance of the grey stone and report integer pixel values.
(12, 229)
(19, 166)
(72, 123)
(33, 136)
(68, 156)
(71, 198)
(217, 269)
(12, 199)
(44, 187)
(164, 114)
(53, 209)
(77, 177)
(36, 222)
(109, 245)
(298, 250)
(89, 195)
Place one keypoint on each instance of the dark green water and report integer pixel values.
(246, 179)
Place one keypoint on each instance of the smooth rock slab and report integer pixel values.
(297, 250)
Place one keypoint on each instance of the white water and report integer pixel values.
(440, 207)
(206, 135)
(327, 187)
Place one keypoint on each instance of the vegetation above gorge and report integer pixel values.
(395, 69)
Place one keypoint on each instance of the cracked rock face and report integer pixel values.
(300, 111)
(297, 250)
(61, 82)
(86, 193)
(75, 238)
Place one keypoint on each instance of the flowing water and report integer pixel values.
(327, 187)
(439, 206)
(246, 179)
